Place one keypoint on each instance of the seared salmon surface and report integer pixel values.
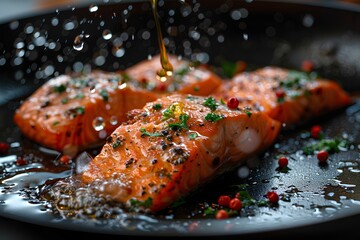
(72, 112)
(174, 145)
(78, 111)
(187, 77)
(290, 97)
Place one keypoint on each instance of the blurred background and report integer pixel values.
(10, 9)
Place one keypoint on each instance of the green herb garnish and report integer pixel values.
(182, 124)
(64, 100)
(146, 133)
(136, 203)
(80, 110)
(79, 96)
(60, 88)
(211, 103)
(209, 211)
(228, 68)
(105, 95)
(247, 199)
(247, 112)
(329, 145)
(182, 71)
(213, 117)
(169, 112)
(117, 143)
(193, 135)
(157, 106)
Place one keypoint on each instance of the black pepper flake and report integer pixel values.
(154, 161)
(45, 104)
(164, 132)
(109, 139)
(129, 162)
(163, 145)
(178, 150)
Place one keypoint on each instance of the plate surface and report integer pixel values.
(325, 198)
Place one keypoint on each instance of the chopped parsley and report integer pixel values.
(182, 71)
(169, 112)
(146, 133)
(296, 80)
(157, 106)
(193, 135)
(80, 110)
(55, 123)
(60, 88)
(211, 103)
(247, 199)
(329, 145)
(73, 112)
(105, 95)
(247, 111)
(64, 100)
(136, 203)
(213, 117)
(228, 68)
(79, 96)
(117, 143)
(182, 124)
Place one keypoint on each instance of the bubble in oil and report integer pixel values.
(118, 51)
(113, 120)
(93, 8)
(98, 123)
(107, 35)
(78, 43)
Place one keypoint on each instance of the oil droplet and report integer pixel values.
(78, 43)
(107, 35)
(113, 120)
(98, 123)
(122, 86)
(93, 8)
(163, 74)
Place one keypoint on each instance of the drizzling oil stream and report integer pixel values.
(167, 69)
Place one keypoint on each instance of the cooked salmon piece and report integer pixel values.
(64, 112)
(291, 97)
(173, 146)
(187, 77)
(76, 111)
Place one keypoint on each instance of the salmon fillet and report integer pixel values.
(72, 112)
(290, 97)
(173, 146)
(62, 114)
(186, 79)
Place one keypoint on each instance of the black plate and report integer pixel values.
(317, 198)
